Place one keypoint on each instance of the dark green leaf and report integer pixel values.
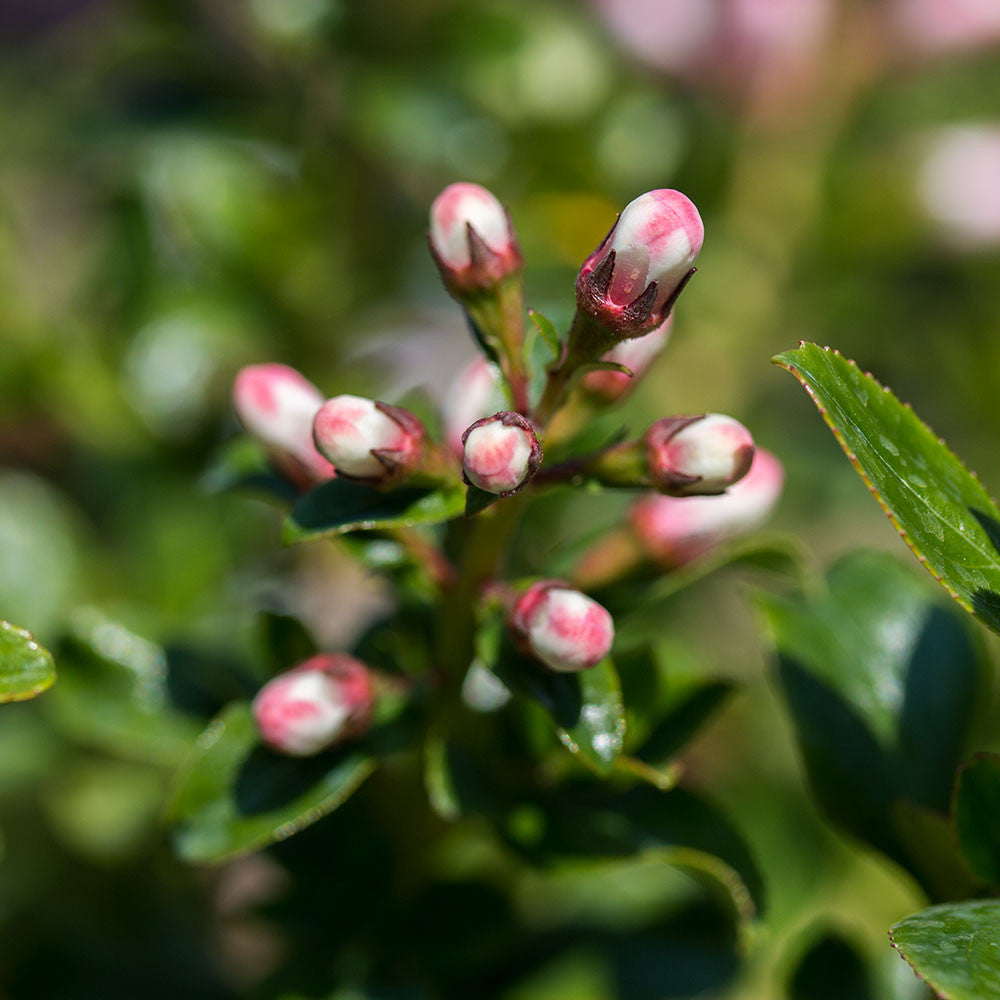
(688, 711)
(938, 506)
(477, 500)
(235, 795)
(283, 640)
(881, 682)
(26, 667)
(977, 816)
(338, 506)
(548, 333)
(586, 707)
(242, 464)
(831, 969)
(955, 948)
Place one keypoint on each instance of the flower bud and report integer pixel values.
(675, 530)
(276, 405)
(368, 441)
(472, 238)
(323, 701)
(501, 453)
(637, 355)
(474, 393)
(563, 628)
(942, 25)
(630, 282)
(690, 456)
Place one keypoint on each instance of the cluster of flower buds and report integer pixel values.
(563, 628)
(323, 701)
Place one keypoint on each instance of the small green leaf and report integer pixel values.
(242, 464)
(235, 796)
(26, 667)
(338, 506)
(477, 500)
(977, 816)
(954, 948)
(586, 707)
(940, 508)
(603, 366)
(882, 683)
(548, 333)
(689, 711)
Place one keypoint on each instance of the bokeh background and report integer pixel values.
(193, 185)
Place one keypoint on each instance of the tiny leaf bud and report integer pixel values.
(367, 440)
(637, 355)
(563, 628)
(276, 405)
(501, 453)
(689, 456)
(324, 700)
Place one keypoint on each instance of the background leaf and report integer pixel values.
(235, 796)
(338, 506)
(938, 506)
(977, 816)
(955, 948)
(26, 667)
(547, 331)
(831, 969)
(881, 681)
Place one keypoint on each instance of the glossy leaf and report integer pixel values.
(235, 795)
(955, 948)
(977, 816)
(586, 707)
(338, 506)
(881, 681)
(26, 667)
(940, 508)
(547, 331)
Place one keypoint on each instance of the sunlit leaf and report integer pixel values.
(26, 667)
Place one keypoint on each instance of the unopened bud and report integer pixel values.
(472, 238)
(563, 628)
(277, 405)
(369, 441)
(474, 393)
(501, 453)
(689, 456)
(325, 700)
(675, 530)
(630, 282)
(637, 355)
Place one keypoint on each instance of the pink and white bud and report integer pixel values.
(323, 701)
(948, 25)
(501, 453)
(367, 440)
(959, 184)
(630, 282)
(563, 628)
(276, 405)
(473, 394)
(675, 530)
(637, 355)
(472, 238)
(692, 456)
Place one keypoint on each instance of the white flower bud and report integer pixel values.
(501, 453)
(698, 455)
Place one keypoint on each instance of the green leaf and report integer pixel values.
(235, 796)
(882, 682)
(586, 707)
(242, 464)
(689, 711)
(477, 500)
(831, 969)
(548, 333)
(338, 506)
(977, 816)
(603, 366)
(937, 505)
(954, 948)
(26, 667)
(283, 640)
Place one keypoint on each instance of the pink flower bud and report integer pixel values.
(323, 701)
(474, 393)
(630, 282)
(368, 441)
(472, 238)
(277, 405)
(690, 456)
(501, 453)
(636, 354)
(959, 184)
(675, 530)
(942, 25)
(563, 628)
